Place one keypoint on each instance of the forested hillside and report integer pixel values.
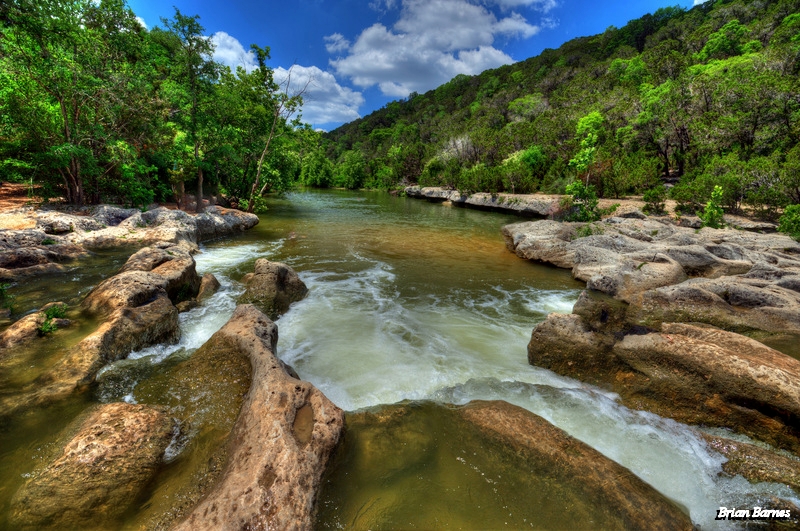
(701, 97)
(96, 108)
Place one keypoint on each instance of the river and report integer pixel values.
(412, 301)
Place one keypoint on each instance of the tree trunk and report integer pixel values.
(199, 207)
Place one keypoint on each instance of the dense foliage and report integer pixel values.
(94, 107)
(700, 98)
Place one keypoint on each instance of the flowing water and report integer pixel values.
(411, 301)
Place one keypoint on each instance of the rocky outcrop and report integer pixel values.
(31, 252)
(732, 279)
(697, 375)
(100, 472)
(272, 287)
(63, 236)
(527, 205)
(282, 439)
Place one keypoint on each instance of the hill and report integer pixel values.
(701, 97)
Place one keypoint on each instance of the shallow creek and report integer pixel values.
(408, 301)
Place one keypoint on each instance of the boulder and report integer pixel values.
(551, 453)
(209, 285)
(147, 273)
(697, 375)
(100, 472)
(282, 439)
(272, 287)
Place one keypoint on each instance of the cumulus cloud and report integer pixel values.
(432, 41)
(229, 51)
(141, 21)
(698, 2)
(541, 5)
(336, 43)
(325, 100)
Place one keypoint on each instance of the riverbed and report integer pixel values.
(419, 303)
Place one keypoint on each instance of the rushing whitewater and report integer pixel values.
(420, 302)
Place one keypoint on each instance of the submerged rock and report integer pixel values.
(282, 439)
(485, 465)
(114, 453)
(272, 287)
(30, 327)
(136, 312)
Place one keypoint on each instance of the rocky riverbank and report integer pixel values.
(38, 241)
(661, 320)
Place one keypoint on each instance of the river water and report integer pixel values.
(412, 301)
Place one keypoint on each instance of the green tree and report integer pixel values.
(191, 90)
(76, 87)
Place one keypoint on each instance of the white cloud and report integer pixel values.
(229, 51)
(336, 43)
(141, 21)
(541, 5)
(433, 41)
(698, 2)
(324, 100)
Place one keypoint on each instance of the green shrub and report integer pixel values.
(47, 327)
(712, 215)
(655, 199)
(789, 222)
(59, 311)
(582, 205)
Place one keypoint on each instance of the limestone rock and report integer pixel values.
(531, 205)
(754, 463)
(209, 285)
(552, 453)
(693, 374)
(732, 279)
(273, 287)
(281, 441)
(26, 329)
(741, 303)
(147, 273)
(114, 454)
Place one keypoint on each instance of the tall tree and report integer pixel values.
(193, 75)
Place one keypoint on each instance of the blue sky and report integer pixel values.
(359, 55)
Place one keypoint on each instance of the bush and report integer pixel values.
(58, 311)
(582, 205)
(789, 222)
(655, 199)
(712, 215)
